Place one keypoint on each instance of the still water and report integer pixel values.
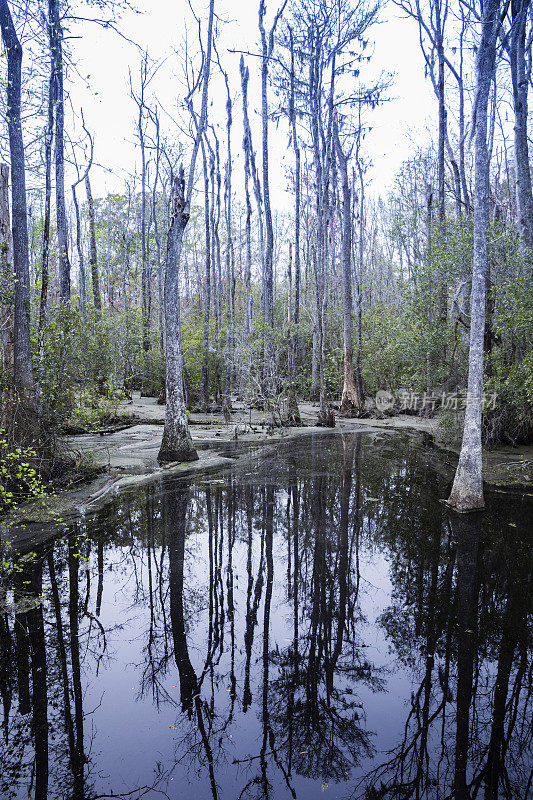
(311, 623)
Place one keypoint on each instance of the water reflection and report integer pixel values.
(312, 622)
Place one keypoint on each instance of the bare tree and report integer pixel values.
(247, 146)
(23, 377)
(467, 490)
(519, 52)
(204, 378)
(351, 403)
(267, 45)
(177, 442)
(45, 257)
(55, 33)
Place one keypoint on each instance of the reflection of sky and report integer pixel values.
(127, 736)
(131, 734)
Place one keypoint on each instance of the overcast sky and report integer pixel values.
(101, 86)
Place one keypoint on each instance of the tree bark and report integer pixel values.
(467, 490)
(520, 75)
(268, 271)
(45, 258)
(351, 404)
(230, 262)
(81, 262)
(23, 376)
(247, 146)
(7, 283)
(177, 442)
(93, 257)
(204, 378)
(55, 32)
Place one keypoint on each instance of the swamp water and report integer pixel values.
(310, 622)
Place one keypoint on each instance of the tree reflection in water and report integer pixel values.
(313, 622)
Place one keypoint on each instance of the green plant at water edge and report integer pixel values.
(93, 411)
(19, 479)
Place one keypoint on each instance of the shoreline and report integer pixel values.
(128, 458)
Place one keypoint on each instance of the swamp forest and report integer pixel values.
(266, 400)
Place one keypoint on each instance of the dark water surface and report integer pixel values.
(311, 624)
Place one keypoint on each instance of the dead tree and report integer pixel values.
(267, 46)
(177, 442)
(230, 259)
(45, 256)
(520, 58)
(55, 33)
(93, 254)
(28, 423)
(467, 490)
(351, 403)
(146, 296)
(247, 146)
(204, 378)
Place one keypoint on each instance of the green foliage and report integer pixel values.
(401, 348)
(93, 410)
(19, 478)
(510, 365)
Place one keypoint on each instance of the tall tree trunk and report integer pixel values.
(23, 377)
(204, 378)
(55, 32)
(7, 317)
(81, 262)
(520, 74)
(230, 262)
(467, 491)
(93, 257)
(177, 442)
(268, 271)
(293, 411)
(146, 298)
(45, 258)
(157, 236)
(247, 146)
(350, 401)
(359, 280)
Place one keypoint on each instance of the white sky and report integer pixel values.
(103, 59)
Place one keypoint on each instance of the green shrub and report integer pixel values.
(19, 478)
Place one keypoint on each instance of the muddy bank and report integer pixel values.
(128, 457)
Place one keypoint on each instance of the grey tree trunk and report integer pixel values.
(7, 317)
(359, 282)
(350, 401)
(155, 118)
(230, 262)
(23, 377)
(177, 442)
(204, 378)
(93, 255)
(45, 258)
(467, 490)
(55, 32)
(268, 270)
(520, 75)
(81, 261)
(247, 146)
(293, 410)
(146, 295)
